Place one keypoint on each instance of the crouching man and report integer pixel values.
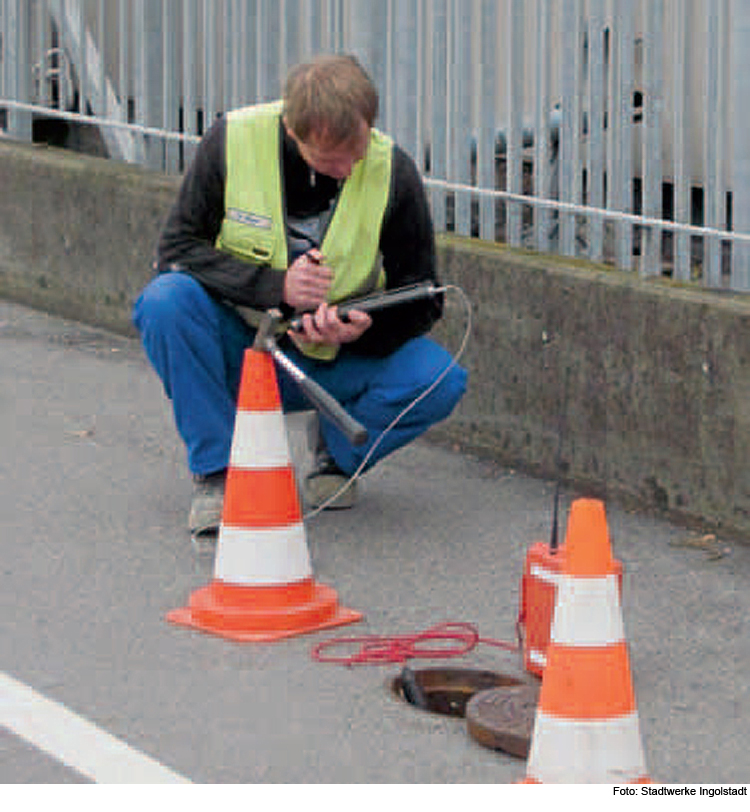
(299, 204)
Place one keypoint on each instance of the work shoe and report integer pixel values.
(323, 482)
(207, 505)
(326, 479)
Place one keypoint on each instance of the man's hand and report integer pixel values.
(306, 286)
(325, 327)
(307, 281)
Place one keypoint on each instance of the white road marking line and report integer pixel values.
(75, 742)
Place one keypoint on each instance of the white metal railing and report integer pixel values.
(611, 129)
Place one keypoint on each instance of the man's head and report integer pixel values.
(329, 106)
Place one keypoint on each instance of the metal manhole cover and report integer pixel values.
(503, 718)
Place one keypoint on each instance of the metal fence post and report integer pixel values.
(16, 64)
(487, 90)
(148, 80)
(714, 197)
(437, 26)
(514, 152)
(621, 130)
(571, 48)
(652, 145)
(740, 118)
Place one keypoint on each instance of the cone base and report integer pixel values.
(644, 779)
(263, 614)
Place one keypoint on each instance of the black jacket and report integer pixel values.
(406, 241)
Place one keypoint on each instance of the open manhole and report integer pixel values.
(446, 690)
(499, 709)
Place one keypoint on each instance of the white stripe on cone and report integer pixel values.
(536, 656)
(588, 612)
(545, 575)
(259, 441)
(589, 751)
(275, 555)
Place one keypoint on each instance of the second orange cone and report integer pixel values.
(586, 728)
(263, 587)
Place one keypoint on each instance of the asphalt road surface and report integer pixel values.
(97, 686)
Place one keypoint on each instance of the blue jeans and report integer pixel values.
(196, 345)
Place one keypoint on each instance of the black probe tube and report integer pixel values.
(379, 301)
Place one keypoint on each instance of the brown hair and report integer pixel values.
(328, 97)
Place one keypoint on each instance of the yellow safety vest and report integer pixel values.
(254, 226)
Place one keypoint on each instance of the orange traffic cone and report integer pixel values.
(586, 728)
(263, 588)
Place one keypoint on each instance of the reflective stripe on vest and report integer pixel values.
(254, 226)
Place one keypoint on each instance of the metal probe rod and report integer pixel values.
(265, 342)
(355, 432)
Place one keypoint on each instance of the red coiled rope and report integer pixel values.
(450, 639)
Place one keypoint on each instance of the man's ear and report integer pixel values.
(289, 131)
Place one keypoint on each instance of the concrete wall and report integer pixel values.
(77, 234)
(644, 386)
(649, 383)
